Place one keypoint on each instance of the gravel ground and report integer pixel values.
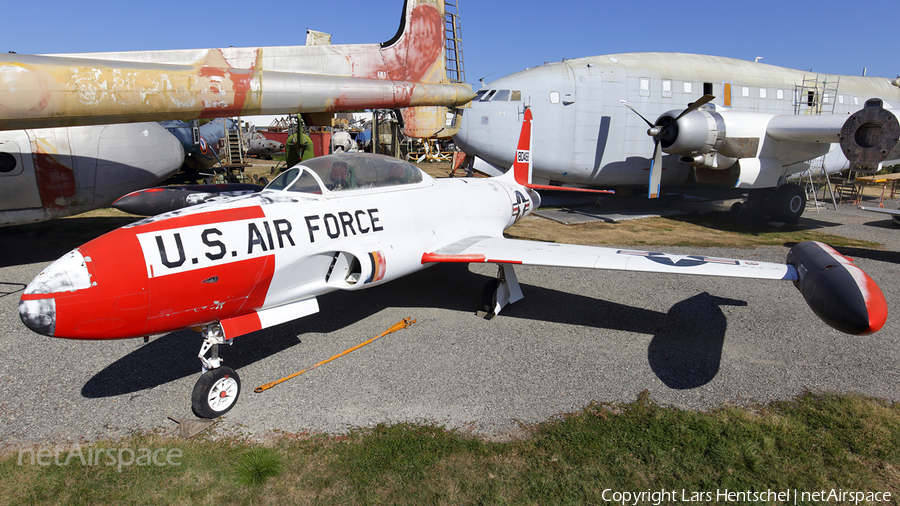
(578, 336)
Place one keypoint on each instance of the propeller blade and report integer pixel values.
(655, 171)
(651, 125)
(696, 105)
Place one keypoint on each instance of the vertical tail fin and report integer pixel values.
(419, 53)
(416, 52)
(522, 165)
(521, 170)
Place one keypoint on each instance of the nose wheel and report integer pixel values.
(219, 387)
(216, 392)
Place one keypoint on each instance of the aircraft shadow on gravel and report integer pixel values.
(682, 356)
(887, 223)
(49, 240)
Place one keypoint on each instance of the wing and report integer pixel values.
(836, 290)
(512, 251)
(893, 212)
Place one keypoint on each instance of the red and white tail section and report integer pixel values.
(521, 169)
(522, 165)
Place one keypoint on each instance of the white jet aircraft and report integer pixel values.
(350, 222)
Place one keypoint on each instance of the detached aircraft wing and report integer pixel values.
(408, 71)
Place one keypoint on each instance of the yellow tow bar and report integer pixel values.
(406, 322)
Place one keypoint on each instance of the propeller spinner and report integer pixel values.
(664, 133)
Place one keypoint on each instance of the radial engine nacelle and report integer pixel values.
(705, 137)
(870, 138)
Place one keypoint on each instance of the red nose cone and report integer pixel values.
(98, 291)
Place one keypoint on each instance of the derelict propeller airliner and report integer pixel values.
(761, 124)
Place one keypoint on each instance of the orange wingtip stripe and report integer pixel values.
(433, 257)
(468, 259)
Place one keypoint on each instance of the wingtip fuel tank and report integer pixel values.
(837, 291)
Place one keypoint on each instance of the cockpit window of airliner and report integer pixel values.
(500, 96)
(478, 94)
(487, 97)
(516, 96)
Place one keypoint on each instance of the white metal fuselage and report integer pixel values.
(584, 135)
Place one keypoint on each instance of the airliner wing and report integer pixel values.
(512, 251)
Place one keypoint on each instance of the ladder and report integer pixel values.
(815, 97)
(234, 145)
(453, 53)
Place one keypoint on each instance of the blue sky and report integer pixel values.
(499, 37)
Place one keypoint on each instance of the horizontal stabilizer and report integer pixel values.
(838, 291)
(482, 166)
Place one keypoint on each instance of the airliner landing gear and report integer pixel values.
(785, 203)
(217, 390)
(788, 202)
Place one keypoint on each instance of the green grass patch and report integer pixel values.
(816, 442)
(257, 465)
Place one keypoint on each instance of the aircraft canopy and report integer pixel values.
(349, 171)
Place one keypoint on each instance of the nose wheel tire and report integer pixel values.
(216, 392)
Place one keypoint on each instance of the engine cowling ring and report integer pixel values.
(697, 132)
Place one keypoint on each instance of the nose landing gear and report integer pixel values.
(219, 387)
